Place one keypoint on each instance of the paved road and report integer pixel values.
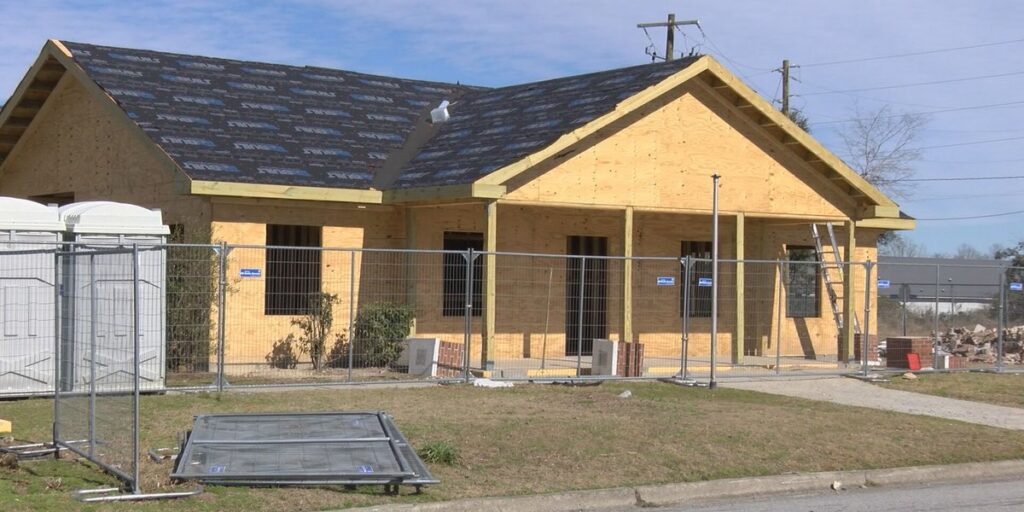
(848, 391)
(984, 497)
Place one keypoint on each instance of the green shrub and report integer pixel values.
(282, 355)
(380, 329)
(439, 452)
(338, 356)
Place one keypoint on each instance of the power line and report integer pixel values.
(929, 199)
(973, 162)
(859, 96)
(918, 84)
(972, 143)
(726, 57)
(968, 178)
(940, 111)
(912, 54)
(1003, 214)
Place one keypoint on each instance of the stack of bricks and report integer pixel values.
(872, 347)
(896, 350)
(957, 363)
(449, 359)
(630, 360)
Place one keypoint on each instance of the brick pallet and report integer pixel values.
(898, 347)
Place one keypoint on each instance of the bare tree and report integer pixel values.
(879, 145)
(896, 244)
(968, 252)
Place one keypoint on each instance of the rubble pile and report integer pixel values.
(980, 344)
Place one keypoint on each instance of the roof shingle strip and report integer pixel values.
(249, 122)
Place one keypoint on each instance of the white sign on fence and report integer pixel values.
(883, 283)
(1016, 287)
(704, 282)
(666, 281)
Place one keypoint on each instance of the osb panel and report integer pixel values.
(77, 145)
(665, 159)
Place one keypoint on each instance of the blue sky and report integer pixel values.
(505, 42)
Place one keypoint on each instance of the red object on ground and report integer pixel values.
(914, 361)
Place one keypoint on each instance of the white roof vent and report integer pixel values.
(440, 114)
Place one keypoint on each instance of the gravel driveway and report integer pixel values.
(848, 391)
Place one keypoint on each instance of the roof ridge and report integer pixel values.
(265, 63)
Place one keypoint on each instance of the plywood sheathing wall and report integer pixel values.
(74, 144)
(663, 158)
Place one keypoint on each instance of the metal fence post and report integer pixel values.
(687, 264)
(865, 335)
(938, 338)
(58, 357)
(92, 355)
(579, 328)
(712, 382)
(136, 316)
(222, 282)
(778, 323)
(351, 310)
(1002, 320)
(470, 256)
(905, 292)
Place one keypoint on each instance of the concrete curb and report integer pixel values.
(673, 494)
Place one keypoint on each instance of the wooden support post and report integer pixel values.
(410, 264)
(490, 269)
(848, 294)
(739, 335)
(627, 277)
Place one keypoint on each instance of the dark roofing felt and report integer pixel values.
(248, 122)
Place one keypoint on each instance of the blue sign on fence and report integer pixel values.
(704, 282)
(1016, 287)
(250, 272)
(666, 281)
(883, 283)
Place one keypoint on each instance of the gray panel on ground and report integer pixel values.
(299, 449)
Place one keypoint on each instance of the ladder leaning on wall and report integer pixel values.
(826, 273)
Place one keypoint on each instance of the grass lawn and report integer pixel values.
(534, 439)
(994, 388)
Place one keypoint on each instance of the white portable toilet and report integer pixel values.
(29, 235)
(92, 227)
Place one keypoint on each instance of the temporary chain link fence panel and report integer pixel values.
(948, 315)
(220, 315)
(193, 306)
(774, 318)
(306, 315)
(98, 372)
(554, 316)
(27, 318)
(1013, 323)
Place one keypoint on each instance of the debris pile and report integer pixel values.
(980, 344)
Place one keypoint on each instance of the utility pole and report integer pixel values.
(671, 26)
(785, 87)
